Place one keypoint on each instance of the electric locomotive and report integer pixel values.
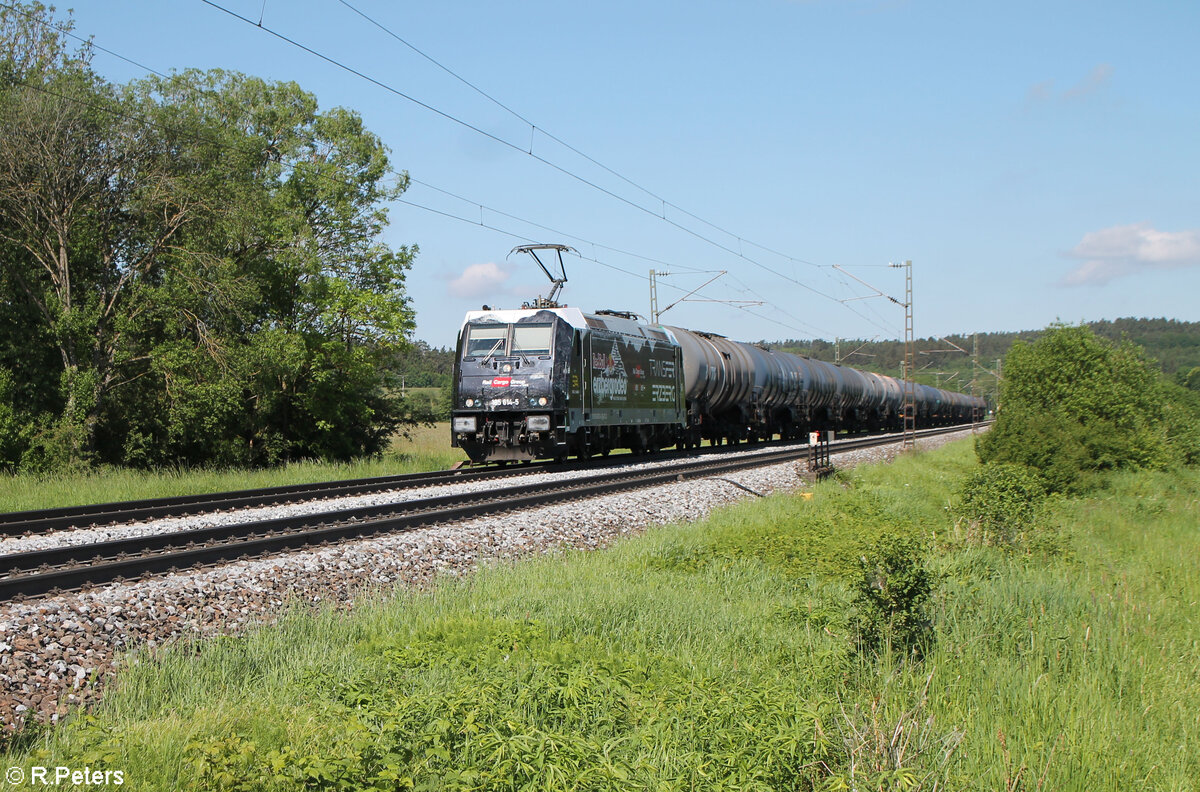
(551, 382)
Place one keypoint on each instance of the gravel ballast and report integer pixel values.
(57, 652)
(73, 537)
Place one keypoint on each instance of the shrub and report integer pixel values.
(12, 427)
(1048, 442)
(1073, 403)
(1001, 500)
(1182, 417)
(891, 594)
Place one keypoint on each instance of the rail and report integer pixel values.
(41, 572)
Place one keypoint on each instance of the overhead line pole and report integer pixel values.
(975, 416)
(654, 296)
(910, 388)
(907, 365)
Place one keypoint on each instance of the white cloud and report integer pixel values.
(480, 280)
(1128, 250)
(1041, 92)
(1095, 81)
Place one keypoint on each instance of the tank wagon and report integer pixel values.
(552, 382)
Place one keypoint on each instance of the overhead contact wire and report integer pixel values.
(480, 223)
(565, 171)
(534, 128)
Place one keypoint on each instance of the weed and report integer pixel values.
(894, 747)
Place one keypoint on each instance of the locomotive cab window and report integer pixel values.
(531, 339)
(486, 340)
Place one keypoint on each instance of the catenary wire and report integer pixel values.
(565, 171)
(221, 144)
(91, 43)
(535, 128)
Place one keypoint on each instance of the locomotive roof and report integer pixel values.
(572, 316)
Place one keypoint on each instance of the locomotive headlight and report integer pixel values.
(464, 423)
(538, 423)
(470, 402)
(542, 401)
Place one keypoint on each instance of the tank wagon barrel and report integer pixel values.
(549, 382)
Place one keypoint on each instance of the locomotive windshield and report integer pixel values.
(487, 340)
(531, 339)
(497, 340)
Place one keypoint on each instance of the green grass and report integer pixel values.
(1087, 662)
(425, 448)
(718, 655)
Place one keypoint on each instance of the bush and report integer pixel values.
(1049, 443)
(1001, 500)
(12, 428)
(1072, 404)
(1182, 417)
(891, 595)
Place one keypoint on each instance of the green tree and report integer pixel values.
(274, 322)
(201, 257)
(81, 197)
(423, 366)
(1073, 403)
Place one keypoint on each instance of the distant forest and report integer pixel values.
(420, 365)
(1174, 344)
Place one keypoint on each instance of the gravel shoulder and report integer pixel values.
(57, 653)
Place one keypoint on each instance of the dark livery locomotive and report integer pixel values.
(552, 382)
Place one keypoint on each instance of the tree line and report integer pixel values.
(1174, 346)
(193, 269)
(192, 272)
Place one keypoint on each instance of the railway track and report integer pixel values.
(44, 520)
(41, 572)
(90, 515)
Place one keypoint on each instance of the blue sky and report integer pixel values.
(1035, 160)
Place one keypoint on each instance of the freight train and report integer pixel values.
(548, 382)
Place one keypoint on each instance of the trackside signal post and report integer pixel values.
(818, 454)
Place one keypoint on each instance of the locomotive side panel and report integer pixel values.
(629, 379)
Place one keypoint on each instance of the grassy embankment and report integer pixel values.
(715, 655)
(426, 448)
